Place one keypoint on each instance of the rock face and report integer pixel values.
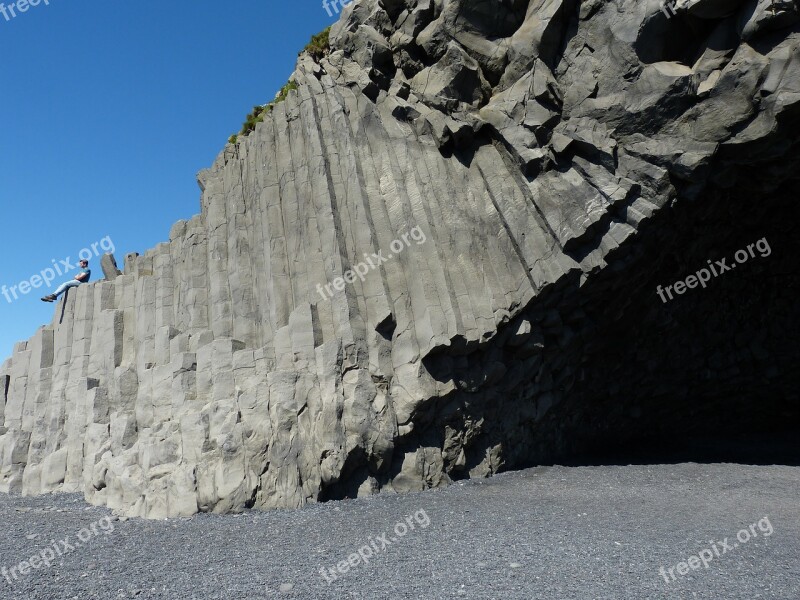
(437, 259)
(109, 265)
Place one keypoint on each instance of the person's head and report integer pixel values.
(84, 263)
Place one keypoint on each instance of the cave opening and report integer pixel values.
(710, 374)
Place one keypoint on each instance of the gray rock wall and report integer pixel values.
(531, 146)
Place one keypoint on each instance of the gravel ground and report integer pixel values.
(547, 532)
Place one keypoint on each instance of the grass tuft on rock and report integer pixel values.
(317, 48)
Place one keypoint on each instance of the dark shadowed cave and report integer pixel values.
(708, 376)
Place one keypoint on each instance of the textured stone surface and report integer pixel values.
(109, 265)
(549, 152)
(557, 530)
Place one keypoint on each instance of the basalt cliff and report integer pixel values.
(551, 163)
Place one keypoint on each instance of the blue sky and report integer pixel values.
(109, 108)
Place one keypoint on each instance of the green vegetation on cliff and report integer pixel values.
(317, 48)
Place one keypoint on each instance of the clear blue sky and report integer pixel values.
(109, 108)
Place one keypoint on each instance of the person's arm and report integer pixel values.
(81, 276)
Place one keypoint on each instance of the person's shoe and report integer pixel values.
(49, 298)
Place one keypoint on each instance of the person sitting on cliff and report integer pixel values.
(82, 277)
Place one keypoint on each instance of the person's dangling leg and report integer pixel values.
(65, 286)
(61, 289)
